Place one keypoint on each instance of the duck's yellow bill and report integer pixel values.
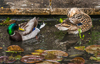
(21, 29)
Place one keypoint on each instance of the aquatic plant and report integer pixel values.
(81, 36)
(80, 31)
(8, 21)
(94, 37)
(61, 19)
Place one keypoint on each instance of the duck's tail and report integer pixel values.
(40, 25)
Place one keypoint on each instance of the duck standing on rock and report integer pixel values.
(77, 20)
(30, 30)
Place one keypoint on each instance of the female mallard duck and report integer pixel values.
(76, 21)
(31, 29)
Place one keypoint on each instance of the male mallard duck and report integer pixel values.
(31, 29)
(76, 21)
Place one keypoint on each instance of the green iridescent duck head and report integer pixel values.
(14, 35)
(11, 28)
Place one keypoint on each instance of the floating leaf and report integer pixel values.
(78, 60)
(80, 48)
(6, 60)
(48, 62)
(0, 47)
(57, 52)
(11, 58)
(15, 48)
(95, 58)
(54, 55)
(18, 57)
(2, 7)
(93, 49)
(40, 50)
(35, 53)
(32, 58)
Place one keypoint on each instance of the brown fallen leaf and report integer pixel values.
(0, 47)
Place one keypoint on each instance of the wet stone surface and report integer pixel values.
(45, 3)
(27, 3)
(42, 7)
(74, 3)
(50, 38)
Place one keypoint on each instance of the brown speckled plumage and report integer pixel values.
(84, 19)
(76, 16)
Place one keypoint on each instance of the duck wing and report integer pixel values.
(31, 35)
(22, 25)
(30, 26)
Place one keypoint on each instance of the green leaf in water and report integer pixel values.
(83, 36)
(61, 20)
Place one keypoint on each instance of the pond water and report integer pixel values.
(50, 38)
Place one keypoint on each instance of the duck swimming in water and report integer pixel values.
(30, 30)
(77, 20)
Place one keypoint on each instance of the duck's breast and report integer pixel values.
(16, 37)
